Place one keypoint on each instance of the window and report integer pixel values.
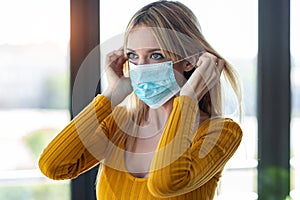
(34, 93)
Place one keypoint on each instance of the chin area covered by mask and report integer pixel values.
(154, 84)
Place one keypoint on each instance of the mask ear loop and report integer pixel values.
(187, 74)
(198, 55)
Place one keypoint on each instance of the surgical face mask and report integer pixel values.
(154, 84)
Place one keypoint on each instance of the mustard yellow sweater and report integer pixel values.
(187, 163)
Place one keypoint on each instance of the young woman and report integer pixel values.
(170, 141)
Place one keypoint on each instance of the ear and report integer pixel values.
(188, 66)
(190, 63)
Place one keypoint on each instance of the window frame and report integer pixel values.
(85, 37)
(274, 99)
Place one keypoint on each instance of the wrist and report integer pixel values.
(116, 95)
(111, 94)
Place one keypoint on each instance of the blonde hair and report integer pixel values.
(178, 33)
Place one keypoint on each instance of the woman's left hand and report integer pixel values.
(205, 77)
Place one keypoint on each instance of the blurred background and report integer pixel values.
(36, 81)
(34, 93)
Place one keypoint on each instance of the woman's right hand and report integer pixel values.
(119, 86)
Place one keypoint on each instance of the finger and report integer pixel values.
(220, 64)
(207, 58)
(119, 52)
(116, 56)
(199, 63)
(209, 55)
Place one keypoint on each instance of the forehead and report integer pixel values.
(140, 38)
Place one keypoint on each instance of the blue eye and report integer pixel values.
(157, 56)
(132, 55)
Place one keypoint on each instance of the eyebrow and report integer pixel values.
(149, 51)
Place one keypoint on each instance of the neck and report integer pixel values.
(168, 106)
(153, 124)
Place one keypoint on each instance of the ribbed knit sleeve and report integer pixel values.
(185, 160)
(80, 145)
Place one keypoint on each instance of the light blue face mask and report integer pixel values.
(154, 84)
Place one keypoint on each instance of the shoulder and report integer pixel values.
(119, 113)
(222, 127)
(115, 121)
(220, 122)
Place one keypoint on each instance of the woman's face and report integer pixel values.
(143, 48)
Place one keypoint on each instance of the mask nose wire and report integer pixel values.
(177, 61)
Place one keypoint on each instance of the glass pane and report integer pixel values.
(34, 93)
(233, 35)
(295, 83)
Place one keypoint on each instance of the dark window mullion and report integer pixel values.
(274, 99)
(85, 36)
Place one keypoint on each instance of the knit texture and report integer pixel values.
(187, 163)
